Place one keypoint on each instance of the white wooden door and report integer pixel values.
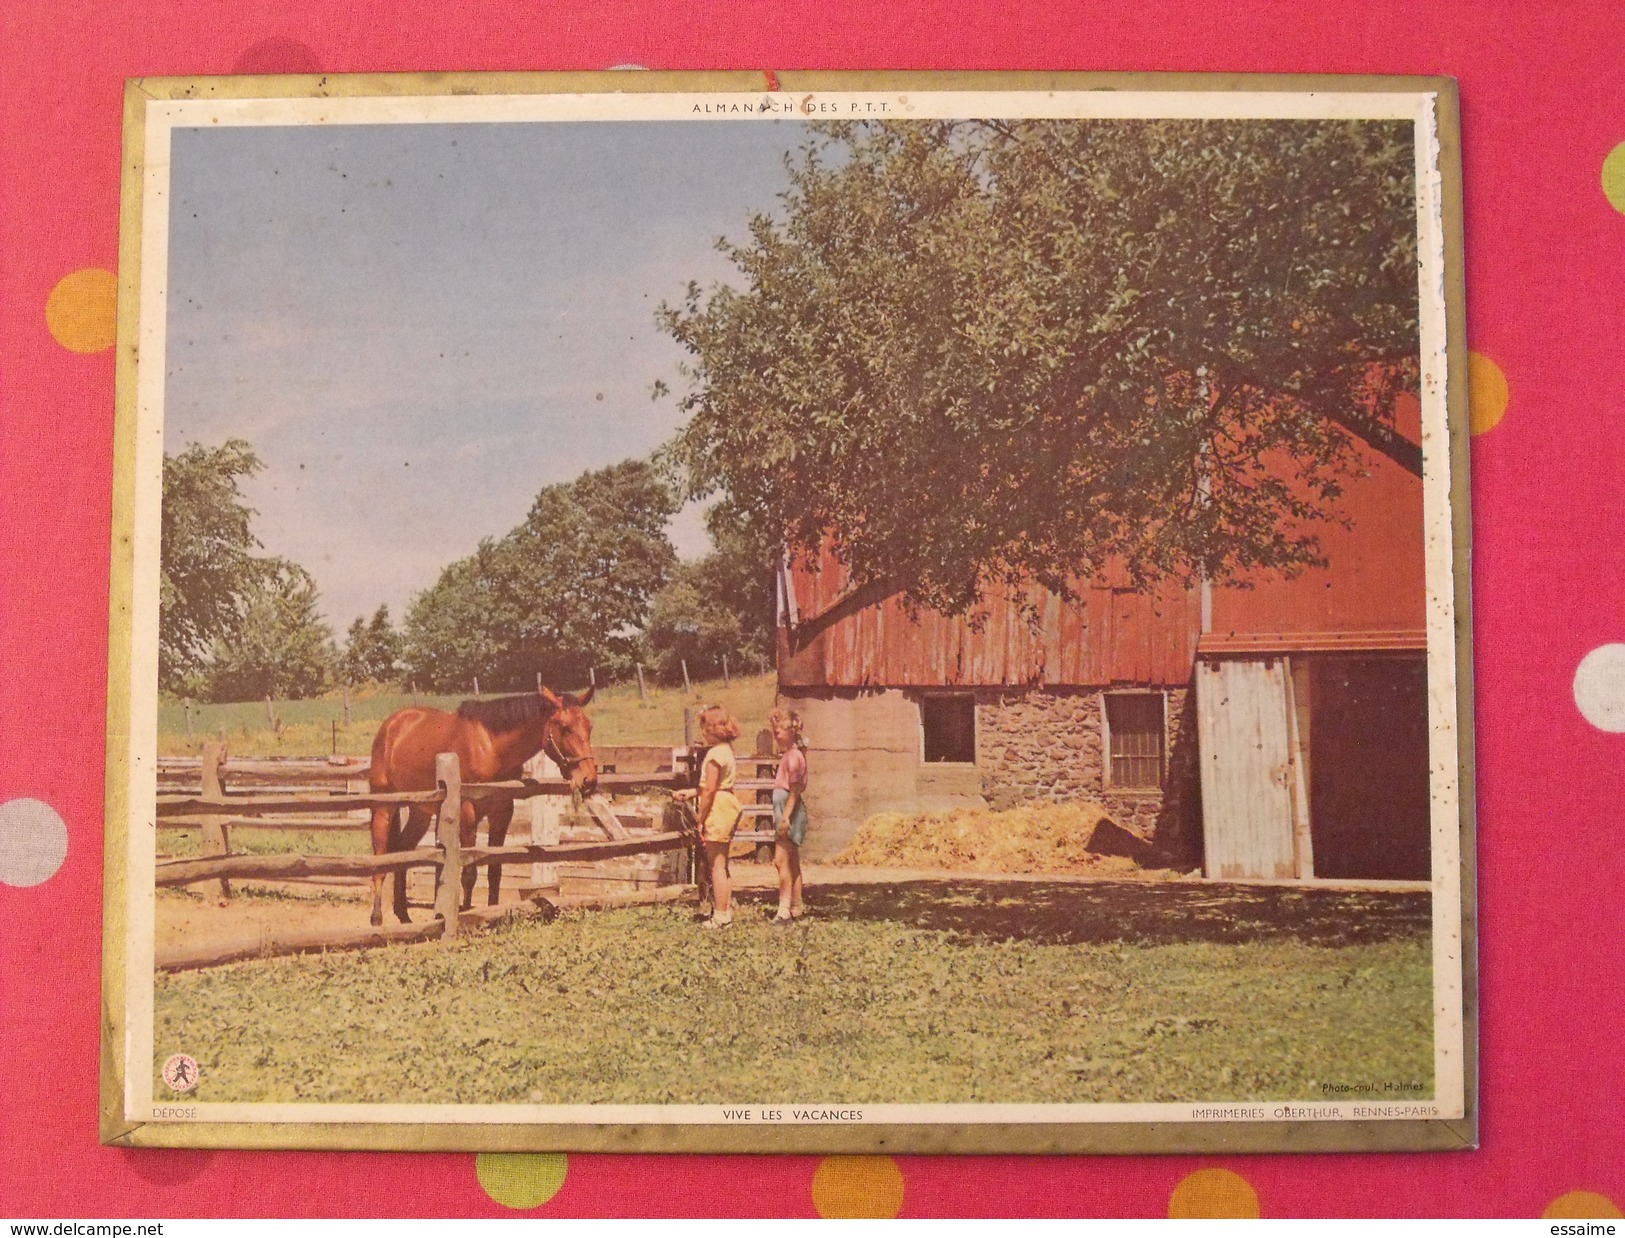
(1247, 773)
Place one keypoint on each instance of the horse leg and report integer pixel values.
(468, 824)
(417, 824)
(497, 822)
(384, 840)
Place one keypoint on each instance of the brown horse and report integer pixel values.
(492, 740)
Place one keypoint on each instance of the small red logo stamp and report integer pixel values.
(181, 1073)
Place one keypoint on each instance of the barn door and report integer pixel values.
(1245, 733)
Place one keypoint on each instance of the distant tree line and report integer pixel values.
(588, 584)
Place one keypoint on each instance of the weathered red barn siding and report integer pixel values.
(1373, 594)
(1372, 597)
(1108, 636)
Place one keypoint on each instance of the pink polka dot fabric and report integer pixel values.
(1543, 103)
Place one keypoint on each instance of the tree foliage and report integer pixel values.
(207, 564)
(279, 646)
(716, 607)
(978, 352)
(372, 650)
(567, 590)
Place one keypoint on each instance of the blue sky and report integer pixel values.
(418, 327)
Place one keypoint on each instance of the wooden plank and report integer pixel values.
(601, 812)
(245, 772)
(273, 945)
(1297, 726)
(274, 867)
(214, 840)
(186, 958)
(524, 788)
(448, 827)
(1247, 822)
(266, 823)
(195, 805)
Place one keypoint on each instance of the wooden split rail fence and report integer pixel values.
(264, 803)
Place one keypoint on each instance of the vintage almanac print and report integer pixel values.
(802, 612)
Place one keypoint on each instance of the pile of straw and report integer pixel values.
(1037, 838)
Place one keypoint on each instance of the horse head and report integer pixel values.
(567, 740)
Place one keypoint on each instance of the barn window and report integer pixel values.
(949, 727)
(1136, 733)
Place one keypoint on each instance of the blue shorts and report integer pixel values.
(798, 821)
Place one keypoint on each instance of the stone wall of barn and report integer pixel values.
(1032, 745)
(1035, 746)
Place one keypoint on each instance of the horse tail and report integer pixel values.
(378, 772)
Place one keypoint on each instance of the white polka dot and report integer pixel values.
(33, 842)
(1599, 687)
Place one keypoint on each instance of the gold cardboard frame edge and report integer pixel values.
(117, 1129)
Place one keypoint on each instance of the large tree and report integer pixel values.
(565, 591)
(372, 650)
(280, 646)
(976, 352)
(207, 564)
(720, 606)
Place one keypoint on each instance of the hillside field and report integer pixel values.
(618, 717)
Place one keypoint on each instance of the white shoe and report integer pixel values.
(719, 922)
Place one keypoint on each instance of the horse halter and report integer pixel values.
(550, 748)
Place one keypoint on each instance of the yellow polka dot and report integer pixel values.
(1213, 1193)
(521, 1179)
(1487, 393)
(857, 1186)
(1613, 177)
(82, 309)
(1581, 1205)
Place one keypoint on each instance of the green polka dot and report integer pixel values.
(1613, 177)
(521, 1180)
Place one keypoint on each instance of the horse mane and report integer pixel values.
(505, 713)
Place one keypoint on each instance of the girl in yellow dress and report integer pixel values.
(718, 809)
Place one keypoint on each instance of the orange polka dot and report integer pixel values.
(82, 311)
(1613, 177)
(857, 1186)
(1487, 393)
(1582, 1205)
(1213, 1193)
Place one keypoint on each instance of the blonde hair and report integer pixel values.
(721, 723)
(791, 719)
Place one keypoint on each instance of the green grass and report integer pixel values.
(642, 1006)
(618, 716)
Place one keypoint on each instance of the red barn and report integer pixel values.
(1278, 730)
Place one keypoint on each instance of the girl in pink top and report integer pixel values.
(789, 812)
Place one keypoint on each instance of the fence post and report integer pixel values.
(727, 682)
(687, 687)
(215, 841)
(449, 893)
(641, 695)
